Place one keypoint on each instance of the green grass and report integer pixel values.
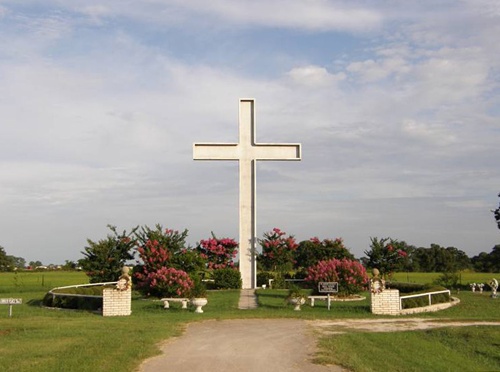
(38, 339)
(446, 349)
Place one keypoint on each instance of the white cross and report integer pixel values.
(247, 152)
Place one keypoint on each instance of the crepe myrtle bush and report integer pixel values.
(165, 282)
(164, 262)
(219, 253)
(278, 251)
(349, 274)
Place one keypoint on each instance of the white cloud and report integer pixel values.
(314, 76)
(433, 134)
(310, 14)
(371, 70)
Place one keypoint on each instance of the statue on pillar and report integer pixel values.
(377, 284)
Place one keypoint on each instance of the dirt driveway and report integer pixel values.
(262, 345)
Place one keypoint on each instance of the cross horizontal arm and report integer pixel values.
(277, 151)
(215, 151)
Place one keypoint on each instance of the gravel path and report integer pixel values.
(277, 345)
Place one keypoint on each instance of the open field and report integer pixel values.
(466, 277)
(38, 339)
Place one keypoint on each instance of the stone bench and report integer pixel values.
(314, 298)
(166, 304)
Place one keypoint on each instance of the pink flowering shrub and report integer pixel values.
(350, 275)
(278, 251)
(167, 282)
(158, 274)
(219, 253)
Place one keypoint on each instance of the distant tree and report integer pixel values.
(496, 212)
(440, 259)
(18, 262)
(34, 264)
(103, 260)
(488, 262)
(6, 263)
(69, 265)
(310, 252)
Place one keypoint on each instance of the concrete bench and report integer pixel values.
(314, 298)
(166, 304)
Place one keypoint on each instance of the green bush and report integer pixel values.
(227, 279)
(408, 288)
(263, 278)
(448, 280)
(65, 300)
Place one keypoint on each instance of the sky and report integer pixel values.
(396, 105)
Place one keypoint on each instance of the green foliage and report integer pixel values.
(227, 278)
(103, 260)
(439, 259)
(487, 262)
(388, 255)
(188, 260)
(199, 289)
(263, 278)
(310, 252)
(448, 280)
(408, 288)
(5, 262)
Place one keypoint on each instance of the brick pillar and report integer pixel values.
(116, 302)
(386, 302)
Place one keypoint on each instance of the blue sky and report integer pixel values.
(395, 104)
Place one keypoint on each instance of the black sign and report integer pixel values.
(328, 287)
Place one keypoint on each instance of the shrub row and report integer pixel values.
(65, 300)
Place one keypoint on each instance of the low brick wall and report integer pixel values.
(386, 302)
(116, 302)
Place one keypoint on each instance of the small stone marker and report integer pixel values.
(328, 287)
(10, 302)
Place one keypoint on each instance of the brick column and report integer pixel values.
(386, 302)
(116, 302)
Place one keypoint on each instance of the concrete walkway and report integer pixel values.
(248, 299)
(250, 345)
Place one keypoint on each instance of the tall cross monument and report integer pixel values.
(247, 152)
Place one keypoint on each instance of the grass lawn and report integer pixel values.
(38, 339)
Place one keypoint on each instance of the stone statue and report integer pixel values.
(377, 284)
(494, 286)
(124, 281)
